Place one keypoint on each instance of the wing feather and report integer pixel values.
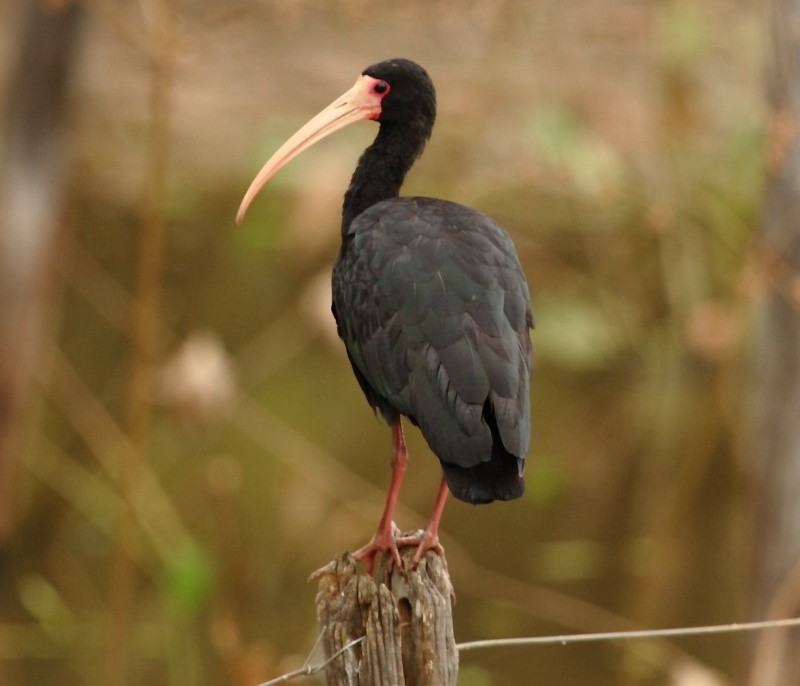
(434, 310)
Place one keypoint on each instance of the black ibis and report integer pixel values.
(431, 302)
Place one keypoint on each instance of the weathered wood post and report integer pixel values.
(405, 616)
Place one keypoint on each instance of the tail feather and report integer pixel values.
(498, 479)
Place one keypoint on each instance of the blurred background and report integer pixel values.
(181, 437)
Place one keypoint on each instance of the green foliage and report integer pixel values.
(189, 579)
(584, 160)
(682, 29)
(578, 335)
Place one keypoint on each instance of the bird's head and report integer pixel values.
(410, 97)
(393, 92)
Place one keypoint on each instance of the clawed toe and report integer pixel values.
(379, 544)
(329, 568)
(389, 542)
(424, 540)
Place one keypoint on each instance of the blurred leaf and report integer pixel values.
(564, 141)
(682, 31)
(576, 334)
(190, 578)
(43, 601)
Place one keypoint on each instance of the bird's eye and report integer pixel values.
(380, 87)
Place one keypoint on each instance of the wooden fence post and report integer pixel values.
(405, 617)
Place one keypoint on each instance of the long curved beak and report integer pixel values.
(356, 104)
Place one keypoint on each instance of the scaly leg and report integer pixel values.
(428, 539)
(384, 539)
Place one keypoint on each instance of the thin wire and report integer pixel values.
(629, 635)
(563, 639)
(306, 664)
(308, 670)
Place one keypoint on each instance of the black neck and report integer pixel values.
(381, 169)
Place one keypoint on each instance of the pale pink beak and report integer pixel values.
(359, 103)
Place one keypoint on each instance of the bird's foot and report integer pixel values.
(425, 540)
(384, 541)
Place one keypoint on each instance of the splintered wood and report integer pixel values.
(405, 617)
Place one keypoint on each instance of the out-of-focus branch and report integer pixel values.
(144, 334)
(777, 430)
(32, 175)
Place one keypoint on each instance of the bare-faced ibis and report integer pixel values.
(431, 303)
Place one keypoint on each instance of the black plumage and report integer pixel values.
(432, 306)
(431, 303)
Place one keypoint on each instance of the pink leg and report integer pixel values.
(429, 538)
(384, 539)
